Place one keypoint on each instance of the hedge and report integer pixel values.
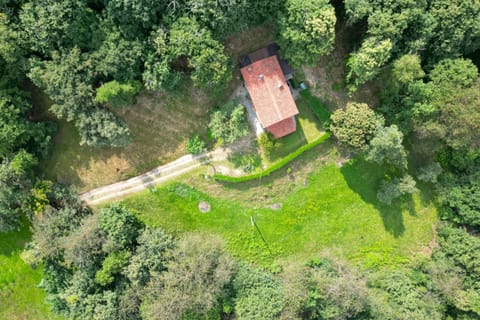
(276, 166)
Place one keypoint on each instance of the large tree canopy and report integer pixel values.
(307, 31)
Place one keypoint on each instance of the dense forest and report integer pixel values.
(92, 56)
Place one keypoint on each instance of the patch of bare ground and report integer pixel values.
(327, 78)
(428, 250)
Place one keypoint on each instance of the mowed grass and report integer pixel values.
(335, 209)
(309, 127)
(20, 297)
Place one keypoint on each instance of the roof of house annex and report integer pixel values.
(271, 96)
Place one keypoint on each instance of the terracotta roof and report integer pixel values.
(283, 127)
(271, 96)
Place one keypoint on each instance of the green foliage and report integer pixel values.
(195, 145)
(278, 165)
(266, 142)
(195, 280)
(430, 172)
(248, 162)
(367, 62)
(397, 187)
(150, 256)
(458, 102)
(457, 72)
(335, 291)
(258, 295)
(15, 185)
(50, 25)
(117, 94)
(386, 148)
(111, 266)
(399, 295)
(307, 31)
(356, 125)
(120, 226)
(406, 69)
(460, 195)
(229, 122)
(455, 271)
(67, 79)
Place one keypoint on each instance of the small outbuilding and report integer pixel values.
(265, 80)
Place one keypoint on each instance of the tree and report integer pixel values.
(457, 97)
(386, 148)
(258, 295)
(367, 62)
(307, 31)
(121, 227)
(430, 172)
(194, 283)
(454, 72)
(395, 188)
(50, 25)
(356, 125)
(456, 29)
(15, 185)
(407, 69)
(229, 123)
(205, 55)
(399, 294)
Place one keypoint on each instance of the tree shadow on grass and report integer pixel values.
(364, 178)
(11, 242)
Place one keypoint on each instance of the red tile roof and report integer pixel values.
(271, 96)
(283, 127)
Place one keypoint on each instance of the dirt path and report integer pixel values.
(149, 179)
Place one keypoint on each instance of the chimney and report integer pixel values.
(260, 77)
(280, 85)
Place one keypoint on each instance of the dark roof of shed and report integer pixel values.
(270, 50)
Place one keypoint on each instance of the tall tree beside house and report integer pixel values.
(307, 31)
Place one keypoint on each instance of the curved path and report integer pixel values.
(152, 177)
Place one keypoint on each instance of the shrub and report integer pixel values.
(117, 94)
(267, 143)
(195, 145)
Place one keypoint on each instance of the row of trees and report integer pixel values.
(426, 125)
(435, 30)
(90, 56)
(109, 265)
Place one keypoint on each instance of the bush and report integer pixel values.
(267, 143)
(195, 145)
(117, 94)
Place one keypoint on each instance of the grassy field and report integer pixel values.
(20, 297)
(334, 208)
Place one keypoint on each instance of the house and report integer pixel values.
(265, 80)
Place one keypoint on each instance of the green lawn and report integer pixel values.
(309, 127)
(20, 297)
(336, 209)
